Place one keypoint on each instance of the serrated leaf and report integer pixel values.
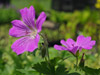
(27, 71)
(42, 68)
(61, 70)
(55, 60)
(47, 68)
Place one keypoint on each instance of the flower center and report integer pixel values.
(33, 33)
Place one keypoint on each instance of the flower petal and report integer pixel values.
(80, 40)
(33, 44)
(18, 29)
(63, 43)
(40, 21)
(58, 47)
(74, 50)
(85, 42)
(28, 16)
(19, 46)
(70, 42)
(89, 45)
(25, 44)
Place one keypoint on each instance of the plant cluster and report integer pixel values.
(32, 39)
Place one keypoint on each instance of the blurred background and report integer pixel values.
(65, 19)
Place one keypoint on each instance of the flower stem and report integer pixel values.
(76, 63)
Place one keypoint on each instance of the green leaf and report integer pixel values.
(61, 70)
(47, 68)
(75, 73)
(28, 71)
(91, 71)
(42, 67)
(55, 61)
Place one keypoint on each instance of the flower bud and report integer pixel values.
(82, 61)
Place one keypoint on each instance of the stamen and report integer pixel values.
(33, 34)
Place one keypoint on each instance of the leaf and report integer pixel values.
(75, 73)
(42, 68)
(47, 68)
(28, 71)
(61, 70)
(91, 71)
(55, 61)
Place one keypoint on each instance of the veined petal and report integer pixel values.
(19, 24)
(58, 47)
(40, 21)
(70, 42)
(25, 44)
(18, 29)
(74, 50)
(28, 16)
(89, 45)
(20, 45)
(80, 40)
(16, 32)
(64, 43)
(33, 43)
(85, 42)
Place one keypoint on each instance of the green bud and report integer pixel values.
(43, 51)
(82, 61)
(44, 45)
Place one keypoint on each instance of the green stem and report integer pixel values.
(46, 60)
(48, 55)
(76, 63)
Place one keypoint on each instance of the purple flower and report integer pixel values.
(72, 46)
(28, 30)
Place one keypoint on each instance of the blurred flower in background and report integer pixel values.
(97, 5)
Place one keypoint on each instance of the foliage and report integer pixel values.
(39, 5)
(7, 15)
(84, 22)
(77, 22)
(91, 71)
(50, 34)
(11, 64)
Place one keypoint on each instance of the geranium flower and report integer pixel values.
(72, 46)
(28, 30)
